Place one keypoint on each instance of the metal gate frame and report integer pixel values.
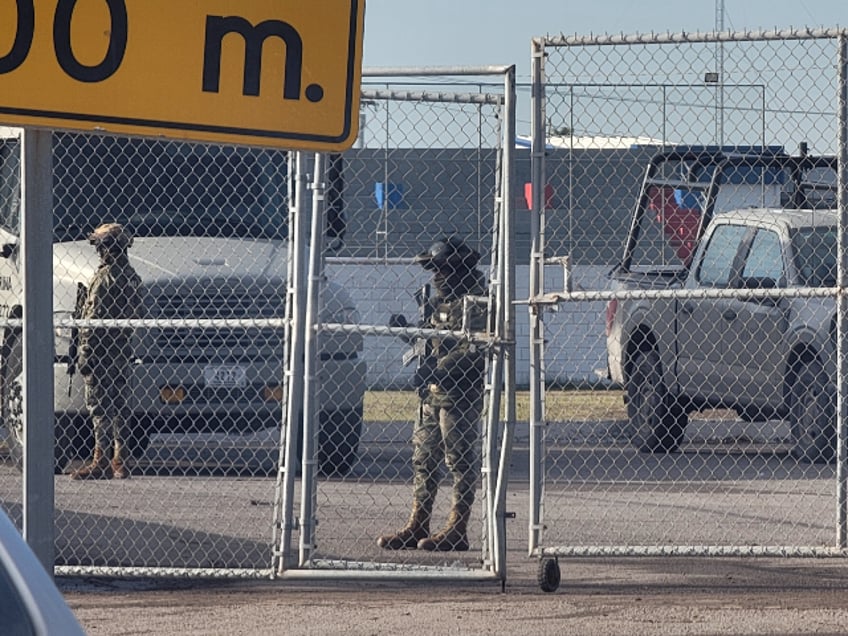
(539, 301)
(305, 282)
(305, 277)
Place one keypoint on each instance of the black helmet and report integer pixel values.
(448, 253)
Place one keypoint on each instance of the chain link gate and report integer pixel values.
(432, 162)
(715, 365)
(264, 283)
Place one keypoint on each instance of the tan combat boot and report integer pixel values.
(417, 528)
(120, 470)
(453, 537)
(97, 468)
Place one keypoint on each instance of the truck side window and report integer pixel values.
(717, 262)
(765, 258)
(814, 254)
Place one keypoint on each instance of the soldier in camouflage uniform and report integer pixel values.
(105, 353)
(451, 376)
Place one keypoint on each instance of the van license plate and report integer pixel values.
(227, 375)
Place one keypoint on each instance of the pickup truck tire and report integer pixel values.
(812, 414)
(657, 421)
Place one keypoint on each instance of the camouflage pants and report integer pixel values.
(449, 433)
(106, 399)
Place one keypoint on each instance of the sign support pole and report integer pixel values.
(37, 273)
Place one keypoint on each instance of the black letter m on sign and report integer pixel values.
(254, 37)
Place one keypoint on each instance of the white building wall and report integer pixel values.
(574, 332)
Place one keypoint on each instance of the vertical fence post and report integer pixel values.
(311, 425)
(37, 266)
(537, 258)
(296, 312)
(506, 324)
(842, 298)
(494, 371)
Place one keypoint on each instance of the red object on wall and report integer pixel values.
(549, 195)
(680, 225)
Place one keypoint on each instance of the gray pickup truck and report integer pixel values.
(748, 330)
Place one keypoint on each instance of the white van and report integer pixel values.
(210, 227)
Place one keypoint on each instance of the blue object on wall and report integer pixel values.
(394, 192)
(688, 200)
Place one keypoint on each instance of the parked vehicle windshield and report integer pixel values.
(167, 188)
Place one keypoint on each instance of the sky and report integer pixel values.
(498, 32)
(467, 33)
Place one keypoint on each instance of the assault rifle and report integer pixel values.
(73, 348)
(420, 346)
(420, 351)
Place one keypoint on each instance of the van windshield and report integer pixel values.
(167, 188)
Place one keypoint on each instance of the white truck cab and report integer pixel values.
(209, 226)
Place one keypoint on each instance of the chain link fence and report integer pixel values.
(183, 394)
(259, 379)
(241, 306)
(687, 259)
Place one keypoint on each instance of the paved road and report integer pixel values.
(598, 597)
(722, 490)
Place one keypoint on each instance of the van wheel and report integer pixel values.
(139, 437)
(657, 419)
(13, 410)
(10, 366)
(72, 438)
(338, 441)
(812, 414)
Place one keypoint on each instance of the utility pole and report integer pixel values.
(719, 28)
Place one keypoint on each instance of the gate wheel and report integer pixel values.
(549, 574)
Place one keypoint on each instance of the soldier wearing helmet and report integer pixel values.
(450, 377)
(105, 352)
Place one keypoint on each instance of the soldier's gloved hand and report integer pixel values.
(398, 320)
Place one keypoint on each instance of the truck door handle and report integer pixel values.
(687, 308)
(729, 315)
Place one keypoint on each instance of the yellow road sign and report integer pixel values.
(283, 73)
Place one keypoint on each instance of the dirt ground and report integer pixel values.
(672, 595)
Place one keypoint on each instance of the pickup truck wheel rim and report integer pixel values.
(646, 397)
